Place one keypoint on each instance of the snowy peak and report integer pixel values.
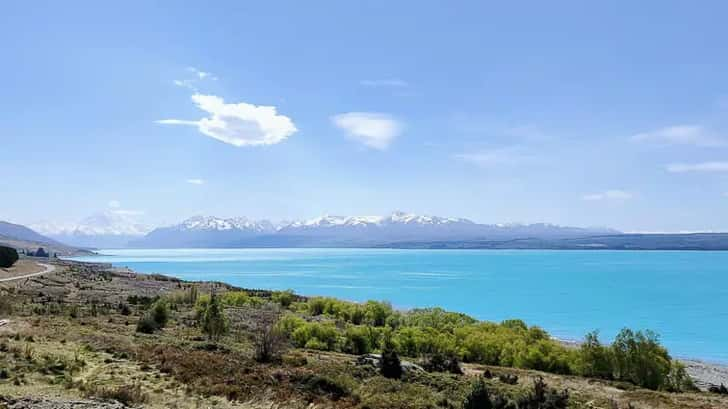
(393, 219)
(211, 223)
(100, 224)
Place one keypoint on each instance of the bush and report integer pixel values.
(129, 395)
(284, 298)
(391, 366)
(235, 298)
(8, 256)
(146, 325)
(160, 313)
(639, 358)
(270, 343)
(478, 397)
(595, 360)
(543, 397)
(358, 341)
(443, 363)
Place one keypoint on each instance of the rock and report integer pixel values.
(34, 403)
(375, 360)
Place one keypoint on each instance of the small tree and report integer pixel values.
(391, 365)
(595, 360)
(214, 323)
(160, 313)
(8, 256)
(270, 342)
(478, 397)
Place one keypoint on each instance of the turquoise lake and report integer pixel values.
(682, 295)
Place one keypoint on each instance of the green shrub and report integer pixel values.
(8, 256)
(391, 365)
(159, 312)
(284, 298)
(639, 358)
(478, 397)
(213, 320)
(358, 340)
(315, 335)
(235, 298)
(146, 325)
(595, 360)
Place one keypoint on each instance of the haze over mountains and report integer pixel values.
(103, 230)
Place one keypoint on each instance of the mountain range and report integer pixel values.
(344, 231)
(397, 230)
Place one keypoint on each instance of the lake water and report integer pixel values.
(681, 295)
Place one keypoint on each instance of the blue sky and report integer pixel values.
(612, 114)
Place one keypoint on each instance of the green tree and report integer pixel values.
(639, 358)
(595, 360)
(8, 256)
(391, 365)
(214, 323)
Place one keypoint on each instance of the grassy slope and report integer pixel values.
(69, 352)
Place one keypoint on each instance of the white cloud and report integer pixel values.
(681, 135)
(240, 124)
(114, 204)
(698, 167)
(609, 195)
(508, 156)
(391, 82)
(196, 181)
(374, 130)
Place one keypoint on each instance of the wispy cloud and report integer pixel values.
(614, 194)
(682, 135)
(508, 156)
(198, 75)
(196, 181)
(114, 204)
(390, 82)
(698, 167)
(375, 130)
(201, 74)
(238, 124)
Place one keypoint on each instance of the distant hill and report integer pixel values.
(346, 231)
(21, 237)
(694, 241)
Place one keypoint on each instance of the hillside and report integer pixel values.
(21, 237)
(76, 335)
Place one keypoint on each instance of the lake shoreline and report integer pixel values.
(704, 372)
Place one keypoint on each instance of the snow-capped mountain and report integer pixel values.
(343, 231)
(107, 229)
(206, 231)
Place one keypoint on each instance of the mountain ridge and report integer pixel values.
(343, 231)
